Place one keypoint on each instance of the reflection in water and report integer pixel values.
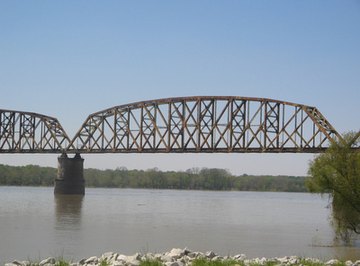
(68, 211)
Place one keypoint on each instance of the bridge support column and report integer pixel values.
(70, 176)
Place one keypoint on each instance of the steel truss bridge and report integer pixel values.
(176, 125)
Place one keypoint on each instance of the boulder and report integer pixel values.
(166, 258)
(217, 258)
(239, 257)
(332, 262)
(122, 258)
(92, 260)
(210, 254)
(294, 260)
(50, 260)
(109, 257)
(348, 263)
(174, 263)
(176, 253)
(15, 263)
(133, 260)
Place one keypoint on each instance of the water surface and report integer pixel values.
(36, 224)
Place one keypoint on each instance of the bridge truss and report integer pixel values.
(25, 132)
(205, 124)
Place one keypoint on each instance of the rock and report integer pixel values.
(348, 263)
(185, 260)
(166, 258)
(186, 251)
(239, 257)
(263, 260)
(294, 260)
(192, 255)
(210, 254)
(217, 258)
(332, 262)
(178, 263)
(176, 253)
(283, 260)
(92, 260)
(148, 256)
(184, 257)
(272, 261)
(315, 260)
(259, 261)
(15, 263)
(50, 260)
(22, 263)
(109, 257)
(174, 263)
(82, 261)
(122, 258)
(158, 256)
(136, 256)
(133, 260)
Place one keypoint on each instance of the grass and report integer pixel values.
(62, 262)
(151, 262)
(205, 262)
(104, 262)
(268, 263)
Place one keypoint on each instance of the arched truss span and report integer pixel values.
(22, 132)
(205, 124)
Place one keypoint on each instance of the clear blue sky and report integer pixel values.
(71, 58)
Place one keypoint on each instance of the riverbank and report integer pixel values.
(184, 257)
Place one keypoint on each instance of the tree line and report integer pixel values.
(195, 179)
(337, 173)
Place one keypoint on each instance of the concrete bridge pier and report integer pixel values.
(70, 176)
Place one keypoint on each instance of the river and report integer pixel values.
(35, 224)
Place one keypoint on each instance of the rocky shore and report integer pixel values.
(183, 257)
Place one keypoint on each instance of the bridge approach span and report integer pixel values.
(26, 132)
(205, 124)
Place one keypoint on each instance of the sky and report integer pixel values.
(69, 59)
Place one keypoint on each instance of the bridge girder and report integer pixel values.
(26, 132)
(205, 124)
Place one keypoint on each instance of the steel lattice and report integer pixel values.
(22, 132)
(205, 124)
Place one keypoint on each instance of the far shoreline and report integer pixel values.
(208, 179)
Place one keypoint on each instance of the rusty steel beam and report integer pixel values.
(26, 132)
(207, 124)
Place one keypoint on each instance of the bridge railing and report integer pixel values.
(205, 124)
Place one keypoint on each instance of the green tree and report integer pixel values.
(337, 172)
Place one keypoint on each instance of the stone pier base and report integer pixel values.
(70, 176)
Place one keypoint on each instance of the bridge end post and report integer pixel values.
(70, 176)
